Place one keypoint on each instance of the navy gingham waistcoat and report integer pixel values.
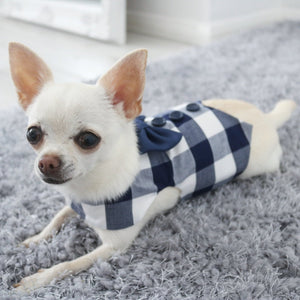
(193, 147)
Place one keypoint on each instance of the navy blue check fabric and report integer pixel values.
(196, 149)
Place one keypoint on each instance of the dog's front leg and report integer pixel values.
(113, 241)
(56, 223)
(46, 276)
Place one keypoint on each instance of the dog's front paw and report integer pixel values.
(42, 278)
(32, 240)
(37, 280)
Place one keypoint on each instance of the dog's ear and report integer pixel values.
(125, 82)
(28, 72)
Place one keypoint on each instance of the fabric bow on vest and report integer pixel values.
(151, 138)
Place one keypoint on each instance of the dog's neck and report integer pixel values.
(110, 178)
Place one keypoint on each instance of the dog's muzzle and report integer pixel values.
(50, 167)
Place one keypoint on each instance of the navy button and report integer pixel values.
(193, 107)
(158, 122)
(176, 115)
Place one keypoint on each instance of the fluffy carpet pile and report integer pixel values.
(241, 241)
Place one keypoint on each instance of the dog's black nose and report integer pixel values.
(50, 165)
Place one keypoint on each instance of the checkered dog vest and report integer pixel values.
(193, 147)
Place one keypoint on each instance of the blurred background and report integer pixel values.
(80, 39)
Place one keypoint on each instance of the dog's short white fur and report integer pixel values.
(107, 170)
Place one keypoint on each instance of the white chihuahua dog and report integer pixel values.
(92, 146)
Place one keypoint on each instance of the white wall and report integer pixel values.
(198, 21)
(292, 3)
(229, 9)
(179, 20)
(180, 9)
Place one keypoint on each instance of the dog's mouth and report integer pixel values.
(55, 181)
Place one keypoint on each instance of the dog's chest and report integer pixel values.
(192, 147)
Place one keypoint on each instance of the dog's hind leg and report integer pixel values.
(265, 152)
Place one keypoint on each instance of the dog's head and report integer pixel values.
(74, 128)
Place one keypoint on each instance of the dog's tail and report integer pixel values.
(281, 112)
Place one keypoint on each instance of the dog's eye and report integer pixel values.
(87, 140)
(34, 135)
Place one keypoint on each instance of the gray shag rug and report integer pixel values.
(241, 241)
